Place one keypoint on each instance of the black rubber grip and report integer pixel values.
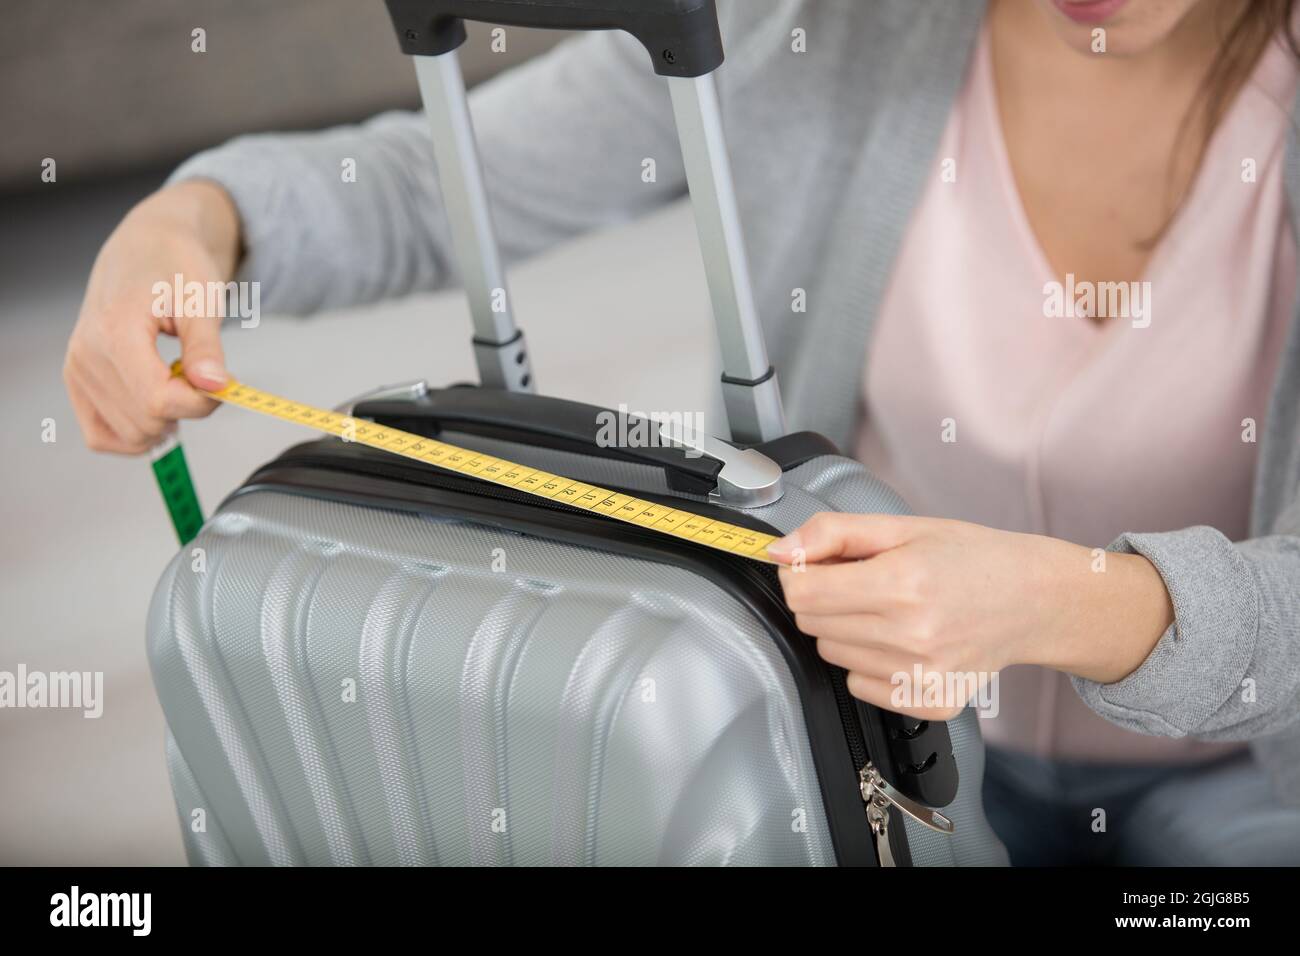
(681, 36)
(546, 422)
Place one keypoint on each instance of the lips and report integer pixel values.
(1089, 11)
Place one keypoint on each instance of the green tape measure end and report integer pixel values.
(178, 493)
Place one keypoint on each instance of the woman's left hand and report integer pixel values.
(884, 594)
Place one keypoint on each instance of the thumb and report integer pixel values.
(202, 357)
(827, 536)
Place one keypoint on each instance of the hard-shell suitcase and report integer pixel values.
(386, 663)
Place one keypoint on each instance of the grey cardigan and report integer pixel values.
(831, 148)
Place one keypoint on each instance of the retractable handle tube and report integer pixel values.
(684, 44)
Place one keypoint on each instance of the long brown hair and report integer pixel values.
(1245, 36)
(1244, 40)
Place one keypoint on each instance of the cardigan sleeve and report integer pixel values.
(562, 139)
(1228, 668)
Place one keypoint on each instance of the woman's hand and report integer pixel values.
(122, 392)
(885, 593)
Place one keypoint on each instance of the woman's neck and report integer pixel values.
(1177, 61)
(1103, 146)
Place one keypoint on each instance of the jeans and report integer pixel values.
(1059, 813)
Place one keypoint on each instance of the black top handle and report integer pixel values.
(681, 36)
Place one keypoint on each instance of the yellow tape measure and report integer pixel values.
(721, 535)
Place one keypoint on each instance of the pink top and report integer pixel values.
(1064, 426)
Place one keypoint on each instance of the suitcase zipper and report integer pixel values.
(878, 796)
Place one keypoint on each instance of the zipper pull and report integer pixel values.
(877, 793)
(878, 820)
(879, 796)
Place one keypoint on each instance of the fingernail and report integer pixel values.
(785, 547)
(210, 372)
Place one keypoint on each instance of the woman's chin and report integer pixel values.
(1120, 28)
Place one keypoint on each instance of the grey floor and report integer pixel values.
(86, 536)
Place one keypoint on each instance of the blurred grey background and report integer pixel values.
(113, 92)
(111, 87)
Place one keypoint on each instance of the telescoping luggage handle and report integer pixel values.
(685, 46)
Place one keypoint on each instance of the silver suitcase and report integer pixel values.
(382, 663)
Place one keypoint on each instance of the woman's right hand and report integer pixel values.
(123, 393)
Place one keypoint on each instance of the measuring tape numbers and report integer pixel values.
(652, 515)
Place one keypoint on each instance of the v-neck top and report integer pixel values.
(991, 395)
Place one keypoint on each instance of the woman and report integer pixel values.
(1048, 253)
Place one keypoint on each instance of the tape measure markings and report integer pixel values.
(664, 519)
